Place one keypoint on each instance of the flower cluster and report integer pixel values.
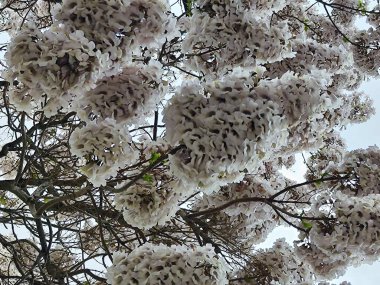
(366, 51)
(150, 202)
(53, 65)
(226, 35)
(309, 55)
(278, 266)
(159, 264)
(350, 239)
(105, 147)
(228, 126)
(330, 153)
(321, 29)
(118, 26)
(127, 97)
(363, 168)
(343, 15)
(220, 125)
(263, 7)
(253, 221)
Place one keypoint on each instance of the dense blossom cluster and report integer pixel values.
(50, 66)
(241, 39)
(224, 137)
(152, 202)
(278, 266)
(363, 168)
(252, 220)
(105, 147)
(330, 153)
(118, 26)
(350, 238)
(241, 87)
(311, 55)
(127, 97)
(344, 16)
(159, 264)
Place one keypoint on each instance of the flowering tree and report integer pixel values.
(143, 141)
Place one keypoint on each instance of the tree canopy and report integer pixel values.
(143, 141)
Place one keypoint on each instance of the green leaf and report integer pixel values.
(361, 7)
(319, 183)
(306, 25)
(148, 178)
(261, 154)
(86, 169)
(222, 175)
(34, 175)
(307, 225)
(188, 4)
(324, 175)
(345, 39)
(155, 156)
(3, 200)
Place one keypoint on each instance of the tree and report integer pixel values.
(142, 145)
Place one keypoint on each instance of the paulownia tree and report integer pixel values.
(143, 141)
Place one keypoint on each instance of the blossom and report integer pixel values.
(161, 264)
(126, 97)
(152, 201)
(106, 148)
(349, 239)
(117, 27)
(277, 265)
(53, 63)
(228, 126)
(240, 40)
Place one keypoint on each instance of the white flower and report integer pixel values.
(109, 146)
(128, 97)
(159, 264)
(150, 203)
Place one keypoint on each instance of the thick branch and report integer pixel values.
(61, 199)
